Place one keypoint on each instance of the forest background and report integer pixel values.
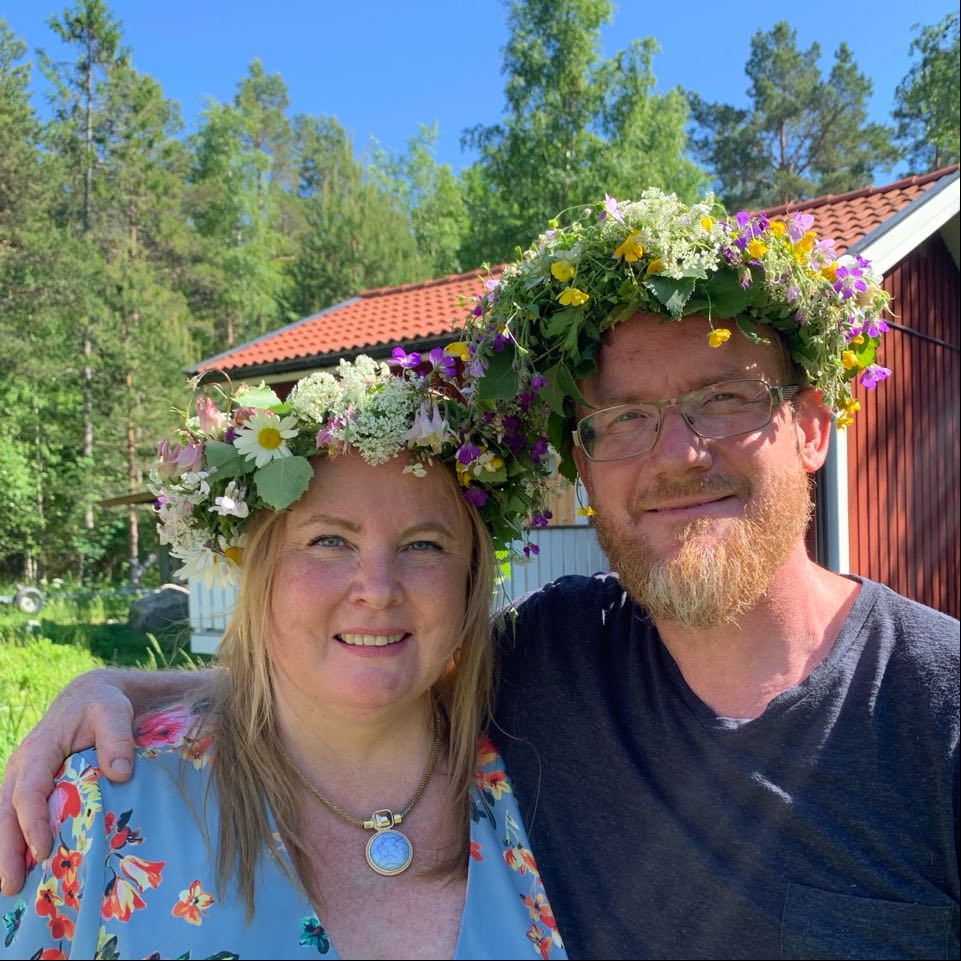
(131, 247)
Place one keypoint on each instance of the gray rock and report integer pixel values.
(168, 606)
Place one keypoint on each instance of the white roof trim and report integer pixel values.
(890, 242)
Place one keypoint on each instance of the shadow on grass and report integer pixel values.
(120, 645)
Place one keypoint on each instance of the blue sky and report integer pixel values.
(382, 68)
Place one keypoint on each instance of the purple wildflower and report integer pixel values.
(403, 359)
(849, 281)
(468, 453)
(500, 342)
(538, 449)
(443, 362)
(876, 327)
(825, 249)
(610, 210)
(537, 382)
(229, 435)
(798, 225)
(873, 375)
(541, 519)
(851, 333)
(531, 550)
(475, 496)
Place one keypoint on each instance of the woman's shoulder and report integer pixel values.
(182, 729)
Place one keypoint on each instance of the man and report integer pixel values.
(725, 750)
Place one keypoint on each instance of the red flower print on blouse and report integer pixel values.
(164, 728)
(541, 942)
(193, 904)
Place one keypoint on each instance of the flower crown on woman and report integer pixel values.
(251, 451)
(659, 255)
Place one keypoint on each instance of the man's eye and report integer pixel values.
(628, 419)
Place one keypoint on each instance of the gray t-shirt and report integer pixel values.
(827, 827)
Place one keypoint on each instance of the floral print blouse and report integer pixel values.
(130, 874)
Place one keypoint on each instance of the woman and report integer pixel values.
(327, 792)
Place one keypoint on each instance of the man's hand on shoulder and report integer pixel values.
(95, 709)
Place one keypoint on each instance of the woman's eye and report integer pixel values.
(423, 546)
(328, 540)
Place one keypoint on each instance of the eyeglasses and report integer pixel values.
(719, 410)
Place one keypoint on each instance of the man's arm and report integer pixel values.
(94, 709)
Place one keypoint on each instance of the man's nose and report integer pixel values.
(677, 443)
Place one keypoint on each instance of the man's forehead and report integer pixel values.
(635, 366)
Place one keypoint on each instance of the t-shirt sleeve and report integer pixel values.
(57, 913)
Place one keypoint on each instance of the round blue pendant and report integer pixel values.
(389, 852)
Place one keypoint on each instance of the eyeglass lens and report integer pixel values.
(718, 410)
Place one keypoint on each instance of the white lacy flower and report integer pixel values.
(264, 437)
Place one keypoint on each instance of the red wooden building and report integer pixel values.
(888, 499)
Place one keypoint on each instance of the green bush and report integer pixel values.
(71, 635)
(31, 673)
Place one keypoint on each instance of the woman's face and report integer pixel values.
(369, 595)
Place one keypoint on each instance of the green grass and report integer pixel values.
(70, 635)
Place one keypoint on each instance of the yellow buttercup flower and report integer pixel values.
(848, 359)
(757, 248)
(805, 244)
(858, 340)
(776, 228)
(458, 349)
(852, 405)
(845, 420)
(830, 272)
(562, 270)
(572, 297)
(586, 511)
(718, 336)
(654, 267)
(631, 250)
(706, 222)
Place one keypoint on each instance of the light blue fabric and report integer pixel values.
(134, 850)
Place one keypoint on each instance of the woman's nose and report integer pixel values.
(376, 581)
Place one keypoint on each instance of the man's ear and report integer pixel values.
(813, 425)
(583, 470)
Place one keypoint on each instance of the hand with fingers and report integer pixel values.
(95, 709)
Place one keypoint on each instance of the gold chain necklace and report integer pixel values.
(388, 851)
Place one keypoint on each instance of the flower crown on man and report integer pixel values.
(249, 451)
(547, 313)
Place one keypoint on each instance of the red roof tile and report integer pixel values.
(379, 318)
(848, 217)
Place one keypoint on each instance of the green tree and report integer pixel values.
(139, 230)
(926, 108)
(46, 272)
(431, 196)
(576, 126)
(74, 135)
(804, 134)
(356, 234)
(244, 211)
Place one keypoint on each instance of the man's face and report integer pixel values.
(696, 527)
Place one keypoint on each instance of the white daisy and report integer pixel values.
(264, 437)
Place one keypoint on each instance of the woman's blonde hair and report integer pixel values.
(250, 772)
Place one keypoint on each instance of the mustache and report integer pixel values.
(715, 486)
